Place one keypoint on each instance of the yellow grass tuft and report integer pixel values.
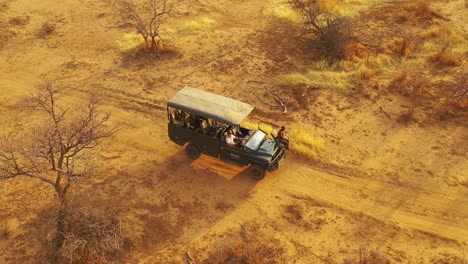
(332, 6)
(129, 41)
(330, 79)
(364, 73)
(354, 51)
(295, 79)
(381, 61)
(305, 143)
(400, 46)
(202, 23)
(252, 125)
(419, 7)
(442, 35)
(282, 10)
(446, 58)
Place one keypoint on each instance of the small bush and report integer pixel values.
(365, 74)
(294, 212)
(442, 34)
(401, 46)
(249, 246)
(5, 33)
(5, 230)
(20, 20)
(419, 7)
(409, 85)
(353, 51)
(280, 9)
(48, 28)
(380, 61)
(92, 237)
(446, 58)
(366, 256)
(305, 143)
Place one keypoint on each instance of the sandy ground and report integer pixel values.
(400, 189)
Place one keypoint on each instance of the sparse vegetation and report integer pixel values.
(366, 256)
(202, 23)
(446, 58)
(248, 246)
(92, 237)
(5, 229)
(47, 28)
(332, 31)
(402, 46)
(54, 152)
(282, 10)
(146, 19)
(409, 85)
(305, 143)
(20, 20)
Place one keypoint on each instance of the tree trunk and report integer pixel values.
(60, 228)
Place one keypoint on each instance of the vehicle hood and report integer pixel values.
(267, 149)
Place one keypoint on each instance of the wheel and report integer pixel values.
(192, 151)
(257, 172)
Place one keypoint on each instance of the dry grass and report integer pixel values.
(419, 7)
(6, 33)
(250, 245)
(409, 85)
(5, 230)
(402, 46)
(91, 235)
(364, 73)
(129, 41)
(366, 256)
(354, 51)
(20, 20)
(47, 28)
(294, 212)
(325, 79)
(301, 137)
(443, 35)
(199, 24)
(381, 61)
(222, 205)
(446, 58)
(282, 10)
(252, 125)
(305, 143)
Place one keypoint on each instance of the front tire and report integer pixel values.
(192, 152)
(257, 172)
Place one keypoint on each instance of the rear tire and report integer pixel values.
(192, 152)
(257, 172)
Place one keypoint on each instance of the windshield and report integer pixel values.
(255, 140)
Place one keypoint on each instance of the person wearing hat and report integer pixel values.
(282, 137)
(232, 140)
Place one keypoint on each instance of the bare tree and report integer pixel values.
(146, 19)
(331, 30)
(56, 151)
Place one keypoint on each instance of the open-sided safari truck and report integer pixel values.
(203, 120)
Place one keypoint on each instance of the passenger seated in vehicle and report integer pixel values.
(232, 140)
(176, 117)
(205, 127)
(237, 132)
(189, 121)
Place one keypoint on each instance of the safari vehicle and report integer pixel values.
(202, 120)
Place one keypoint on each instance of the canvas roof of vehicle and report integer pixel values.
(210, 105)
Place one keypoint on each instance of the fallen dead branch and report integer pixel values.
(280, 101)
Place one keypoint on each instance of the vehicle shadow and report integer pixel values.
(165, 204)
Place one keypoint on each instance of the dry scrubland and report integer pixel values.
(375, 105)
